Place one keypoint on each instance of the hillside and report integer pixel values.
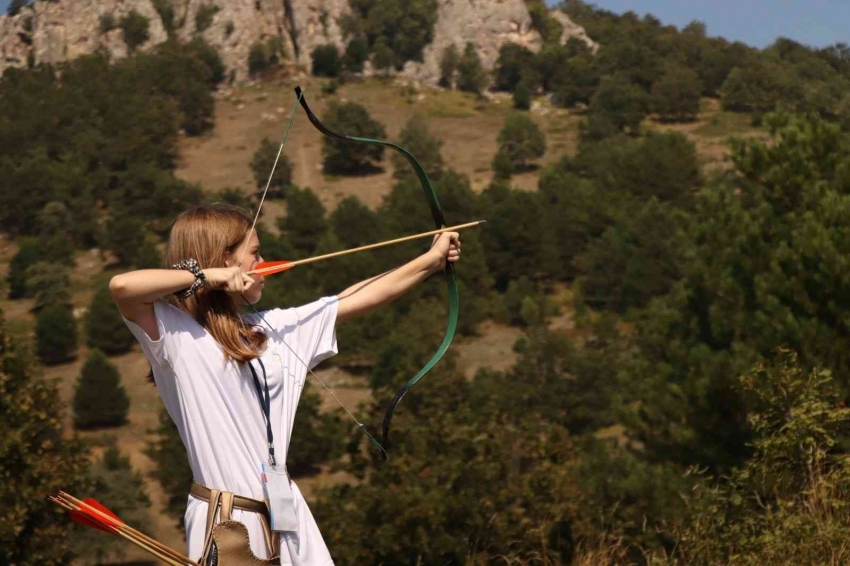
(219, 159)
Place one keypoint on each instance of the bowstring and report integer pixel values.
(271, 176)
(270, 327)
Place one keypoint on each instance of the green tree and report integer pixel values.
(165, 9)
(326, 61)
(787, 504)
(618, 103)
(637, 259)
(402, 27)
(134, 29)
(354, 223)
(417, 139)
(122, 489)
(676, 95)
(755, 87)
(511, 66)
(356, 54)
(383, 57)
(105, 329)
(318, 441)
(520, 140)
(448, 66)
(99, 398)
(56, 334)
(304, 223)
(522, 97)
(124, 235)
(204, 17)
(172, 466)
(37, 459)
(210, 57)
(262, 163)
(30, 251)
(258, 59)
(470, 73)
(346, 158)
(49, 284)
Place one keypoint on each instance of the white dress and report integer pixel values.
(214, 404)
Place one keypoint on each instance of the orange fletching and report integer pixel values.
(91, 519)
(271, 267)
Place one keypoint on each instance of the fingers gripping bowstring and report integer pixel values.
(262, 318)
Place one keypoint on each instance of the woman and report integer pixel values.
(214, 367)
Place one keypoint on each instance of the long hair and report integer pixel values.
(208, 234)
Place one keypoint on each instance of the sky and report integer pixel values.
(756, 22)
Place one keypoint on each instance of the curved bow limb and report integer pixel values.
(451, 277)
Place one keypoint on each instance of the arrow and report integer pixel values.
(92, 513)
(267, 268)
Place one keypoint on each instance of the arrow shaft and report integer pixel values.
(371, 246)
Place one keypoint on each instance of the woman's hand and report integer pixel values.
(230, 279)
(446, 248)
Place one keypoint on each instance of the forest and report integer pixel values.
(694, 412)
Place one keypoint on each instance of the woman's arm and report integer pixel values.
(367, 295)
(136, 291)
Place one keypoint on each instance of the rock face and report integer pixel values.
(59, 30)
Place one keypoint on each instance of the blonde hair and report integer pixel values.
(208, 234)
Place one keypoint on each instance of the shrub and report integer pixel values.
(262, 163)
(105, 329)
(210, 57)
(522, 97)
(326, 61)
(107, 22)
(204, 17)
(99, 398)
(520, 139)
(346, 158)
(258, 60)
(135, 30)
(166, 13)
(356, 53)
(448, 66)
(676, 95)
(470, 72)
(513, 62)
(56, 334)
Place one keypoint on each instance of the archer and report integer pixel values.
(231, 382)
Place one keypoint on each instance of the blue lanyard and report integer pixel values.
(265, 405)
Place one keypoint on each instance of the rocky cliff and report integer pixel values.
(58, 30)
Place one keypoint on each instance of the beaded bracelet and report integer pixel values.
(191, 266)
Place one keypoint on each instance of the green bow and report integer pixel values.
(451, 277)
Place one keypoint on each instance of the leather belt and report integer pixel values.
(239, 502)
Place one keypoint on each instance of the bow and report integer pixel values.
(439, 221)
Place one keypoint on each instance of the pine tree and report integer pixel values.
(416, 138)
(99, 398)
(36, 460)
(56, 334)
(105, 329)
(470, 71)
(172, 467)
(448, 66)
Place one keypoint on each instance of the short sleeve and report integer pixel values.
(310, 329)
(161, 352)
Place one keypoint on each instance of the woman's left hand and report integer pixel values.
(446, 248)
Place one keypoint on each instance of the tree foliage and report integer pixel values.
(521, 140)
(401, 27)
(134, 29)
(99, 398)
(36, 460)
(262, 163)
(56, 334)
(470, 72)
(417, 139)
(347, 158)
(105, 328)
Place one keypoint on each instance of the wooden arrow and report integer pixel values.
(271, 267)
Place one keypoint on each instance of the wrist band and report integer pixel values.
(191, 266)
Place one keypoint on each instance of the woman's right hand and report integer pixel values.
(230, 279)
